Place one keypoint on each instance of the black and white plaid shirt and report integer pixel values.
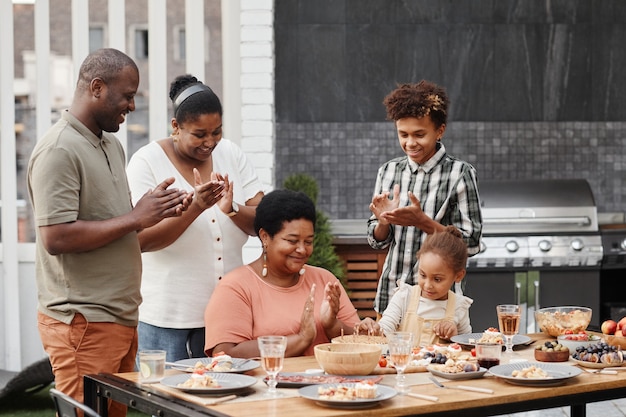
(448, 193)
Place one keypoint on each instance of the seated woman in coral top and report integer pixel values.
(278, 294)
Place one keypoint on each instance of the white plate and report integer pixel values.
(239, 365)
(464, 339)
(596, 365)
(228, 383)
(458, 375)
(557, 374)
(382, 393)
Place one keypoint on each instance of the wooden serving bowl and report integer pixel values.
(560, 356)
(615, 340)
(347, 358)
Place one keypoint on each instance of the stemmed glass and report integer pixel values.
(509, 317)
(272, 349)
(400, 351)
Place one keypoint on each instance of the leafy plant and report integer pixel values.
(324, 254)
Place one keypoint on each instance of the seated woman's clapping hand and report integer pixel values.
(307, 321)
(330, 305)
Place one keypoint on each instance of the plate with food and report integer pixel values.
(468, 340)
(599, 355)
(347, 395)
(303, 379)
(219, 363)
(597, 365)
(457, 371)
(536, 374)
(209, 383)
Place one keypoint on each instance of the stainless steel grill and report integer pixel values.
(541, 247)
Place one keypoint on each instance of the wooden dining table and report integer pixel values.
(158, 400)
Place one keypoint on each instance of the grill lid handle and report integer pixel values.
(580, 221)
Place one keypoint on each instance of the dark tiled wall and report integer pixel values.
(344, 158)
(536, 89)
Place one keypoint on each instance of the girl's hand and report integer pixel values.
(369, 327)
(445, 329)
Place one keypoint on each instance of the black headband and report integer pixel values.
(188, 92)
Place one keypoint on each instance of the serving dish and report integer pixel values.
(457, 375)
(465, 339)
(347, 358)
(239, 365)
(382, 393)
(556, 321)
(571, 343)
(229, 383)
(596, 365)
(557, 374)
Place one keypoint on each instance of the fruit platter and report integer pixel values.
(599, 355)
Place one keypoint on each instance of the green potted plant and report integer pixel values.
(324, 254)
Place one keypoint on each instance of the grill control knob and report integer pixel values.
(512, 246)
(577, 244)
(545, 245)
(483, 247)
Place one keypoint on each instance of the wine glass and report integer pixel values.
(272, 349)
(509, 317)
(400, 352)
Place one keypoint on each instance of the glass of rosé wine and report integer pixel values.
(509, 317)
(400, 353)
(272, 349)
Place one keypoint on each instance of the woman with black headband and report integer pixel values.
(184, 258)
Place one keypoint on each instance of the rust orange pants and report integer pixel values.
(82, 348)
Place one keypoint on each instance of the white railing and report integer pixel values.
(19, 339)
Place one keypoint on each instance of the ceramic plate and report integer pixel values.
(239, 365)
(228, 383)
(302, 379)
(596, 365)
(557, 374)
(464, 339)
(383, 393)
(459, 375)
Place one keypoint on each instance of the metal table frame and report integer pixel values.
(103, 387)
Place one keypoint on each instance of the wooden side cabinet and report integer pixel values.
(363, 268)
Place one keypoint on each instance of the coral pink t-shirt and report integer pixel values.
(244, 307)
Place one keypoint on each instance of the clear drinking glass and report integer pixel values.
(272, 350)
(509, 317)
(400, 353)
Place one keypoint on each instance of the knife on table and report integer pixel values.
(462, 387)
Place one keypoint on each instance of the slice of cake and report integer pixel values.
(365, 390)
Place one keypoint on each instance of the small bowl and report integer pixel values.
(555, 321)
(565, 340)
(347, 358)
(560, 356)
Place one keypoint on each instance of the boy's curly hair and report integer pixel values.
(418, 100)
